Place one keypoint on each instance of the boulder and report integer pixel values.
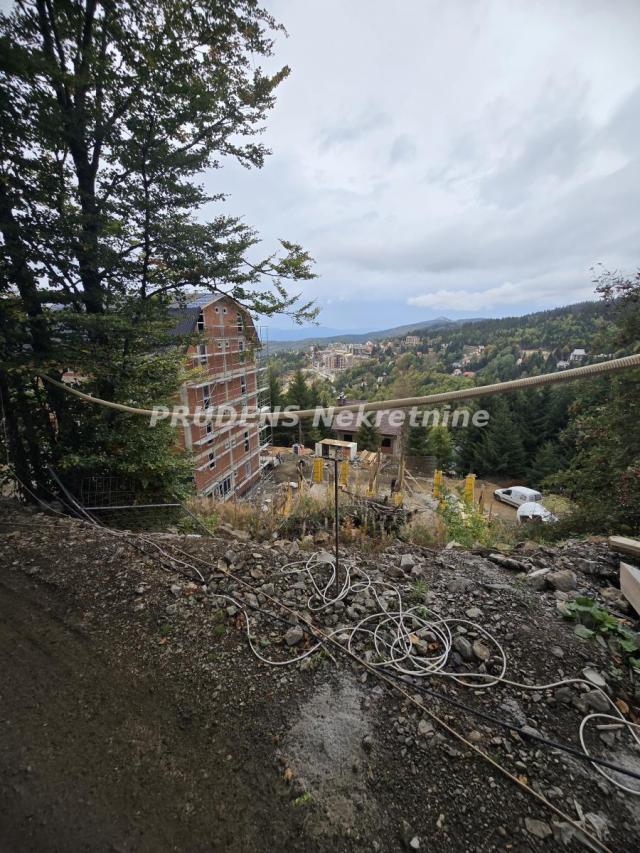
(565, 580)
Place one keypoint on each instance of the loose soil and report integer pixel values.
(135, 717)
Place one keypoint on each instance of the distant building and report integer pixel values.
(228, 458)
(578, 355)
(562, 365)
(412, 341)
(388, 422)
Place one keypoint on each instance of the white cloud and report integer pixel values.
(428, 154)
(503, 296)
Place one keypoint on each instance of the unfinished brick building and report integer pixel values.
(228, 459)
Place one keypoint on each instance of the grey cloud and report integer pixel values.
(353, 129)
(402, 150)
(624, 128)
(509, 171)
(557, 150)
(596, 217)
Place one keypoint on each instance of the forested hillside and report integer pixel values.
(581, 439)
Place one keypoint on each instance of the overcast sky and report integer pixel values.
(458, 158)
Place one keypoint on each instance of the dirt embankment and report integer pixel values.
(136, 718)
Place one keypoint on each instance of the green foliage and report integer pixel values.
(416, 441)
(602, 439)
(419, 589)
(465, 525)
(440, 444)
(108, 113)
(368, 436)
(594, 619)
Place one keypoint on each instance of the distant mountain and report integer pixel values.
(300, 333)
(328, 336)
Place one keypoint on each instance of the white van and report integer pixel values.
(517, 495)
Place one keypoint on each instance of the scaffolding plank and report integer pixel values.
(624, 545)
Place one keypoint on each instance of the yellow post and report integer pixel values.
(318, 470)
(437, 483)
(469, 484)
(344, 473)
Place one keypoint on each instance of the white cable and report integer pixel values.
(394, 652)
(395, 633)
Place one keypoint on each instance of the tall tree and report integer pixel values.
(440, 445)
(368, 436)
(109, 112)
(603, 435)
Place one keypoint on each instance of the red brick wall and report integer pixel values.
(224, 355)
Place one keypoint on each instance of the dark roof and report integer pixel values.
(186, 315)
(350, 422)
(185, 319)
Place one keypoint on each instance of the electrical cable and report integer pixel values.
(404, 633)
(585, 371)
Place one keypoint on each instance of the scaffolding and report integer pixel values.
(225, 355)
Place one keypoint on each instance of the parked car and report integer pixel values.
(517, 495)
(532, 511)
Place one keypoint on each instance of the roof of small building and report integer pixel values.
(351, 421)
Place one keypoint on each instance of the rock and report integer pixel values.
(425, 728)
(294, 636)
(242, 535)
(474, 613)
(453, 546)
(414, 844)
(395, 572)
(529, 731)
(367, 743)
(596, 701)
(564, 580)
(614, 597)
(463, 647)
(556, 651)
(475, 736)
(539, 828)
(481, 651)
(176, 589)
(507, 562)
(460, 585)
(407, 561)
(594, 677)
(564, 694)
(252, 601)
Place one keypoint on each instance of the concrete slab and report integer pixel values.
(630, 585)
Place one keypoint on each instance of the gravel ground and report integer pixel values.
(136, 718)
